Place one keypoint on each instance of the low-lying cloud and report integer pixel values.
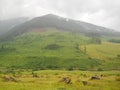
(100, 12)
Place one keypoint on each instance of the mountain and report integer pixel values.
(53, 42)
(60, 23)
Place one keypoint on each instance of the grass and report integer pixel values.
(103, 51)
(106, 52)
(49, 80)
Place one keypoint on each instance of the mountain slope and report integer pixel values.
(53, 21)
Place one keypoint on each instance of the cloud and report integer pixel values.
(100, 12)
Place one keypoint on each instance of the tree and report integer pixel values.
(95, 40)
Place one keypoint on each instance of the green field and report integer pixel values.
(50, 80)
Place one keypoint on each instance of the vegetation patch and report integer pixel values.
(52, 47)
(114, 40)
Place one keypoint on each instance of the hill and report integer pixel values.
(53, 49)
(47, 50)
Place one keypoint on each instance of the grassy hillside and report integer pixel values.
(53, 49)
(46, 50)
(109, 53)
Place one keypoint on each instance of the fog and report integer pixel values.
(100, 12)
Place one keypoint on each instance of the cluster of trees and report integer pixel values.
(95, 37)
(5, 48)
(55, 63)
(2, 47)
(95, 40)
(114, 40)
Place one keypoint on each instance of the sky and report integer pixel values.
(99, 12)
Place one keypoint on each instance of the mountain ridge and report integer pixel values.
(60, 23)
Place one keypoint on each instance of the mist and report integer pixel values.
(100, 12)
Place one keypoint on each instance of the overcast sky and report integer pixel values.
(100, 12)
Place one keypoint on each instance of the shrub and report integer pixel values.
(99, 69)
(95, 40)
(114, 40)
(70, 68)
(52, 47)
(118, 55)
(117, 78)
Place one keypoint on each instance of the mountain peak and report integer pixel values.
(51, 16)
